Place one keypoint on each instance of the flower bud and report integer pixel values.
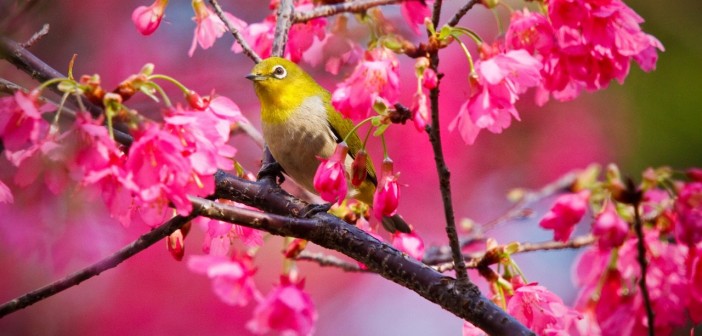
(330, 178)
(387, 193)
(147, 19)
(359, 168)
(196, 101)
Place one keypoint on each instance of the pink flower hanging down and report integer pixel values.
(209, 27)
(147, 19)
(387, 193)
(376, 76)
(287, 310)
(565, 213)
(500, 79)
(330, 178)
(610, 229)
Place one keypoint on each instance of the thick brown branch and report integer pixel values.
(333, 233)
(112, 261)
(344, 7)
(248, 51)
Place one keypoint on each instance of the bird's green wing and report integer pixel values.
(341, 126)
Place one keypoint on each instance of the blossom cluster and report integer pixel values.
(608, 273)
(574, 45)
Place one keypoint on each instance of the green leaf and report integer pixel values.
(381, 129)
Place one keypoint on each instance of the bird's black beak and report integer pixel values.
(255, 77)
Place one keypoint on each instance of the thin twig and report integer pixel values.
(476, 259)
(112, 261)
(326, 260)
(520, 208)
(442, 169)
(641, 247)
(37, 36)
(286, 12)
(9, 87)
(462, 12)
(344, 7)
(248, 51)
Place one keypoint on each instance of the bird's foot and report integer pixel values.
(313, 209)
(273, 170)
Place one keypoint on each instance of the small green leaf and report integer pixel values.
(381, 129)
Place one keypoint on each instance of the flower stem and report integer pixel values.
(641, 246)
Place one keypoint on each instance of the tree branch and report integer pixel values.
(349, 6)
(112, 261)
(643, 263)
(286, 12)
(333, 233)
(326, 260)
(475, 260)
(248, 51)
(441, 168)
(462, 12)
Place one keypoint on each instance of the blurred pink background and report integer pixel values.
(645, 122)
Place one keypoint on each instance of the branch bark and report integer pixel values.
(344, 7)
(286, 12)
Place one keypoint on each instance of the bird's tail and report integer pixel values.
(396, 223)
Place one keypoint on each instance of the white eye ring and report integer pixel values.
(279, 72)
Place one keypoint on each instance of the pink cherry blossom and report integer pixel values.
(410, 243)
(531, 32)
(209, 27)
(330, 178)
(595, 43)
(688, 207)
(695, 279)
(5, 193)
(610, 229)
(618, 307)
(387, 193)
(20, 121)
(420, 111)
(375, 76)
(204, 135)
(260, 36)
(500, 79)
(162, 173)
(147, 19)
(99, 162)
(287, 309)
(48, 158)
(540, 310)
(567, 211)
(232, 278)
(415, 11)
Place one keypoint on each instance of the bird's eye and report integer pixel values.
(279, 72)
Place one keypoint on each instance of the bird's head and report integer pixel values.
(274, 75)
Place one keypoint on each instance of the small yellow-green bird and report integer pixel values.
(300, 124)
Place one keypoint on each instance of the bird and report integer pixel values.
(300, 125)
